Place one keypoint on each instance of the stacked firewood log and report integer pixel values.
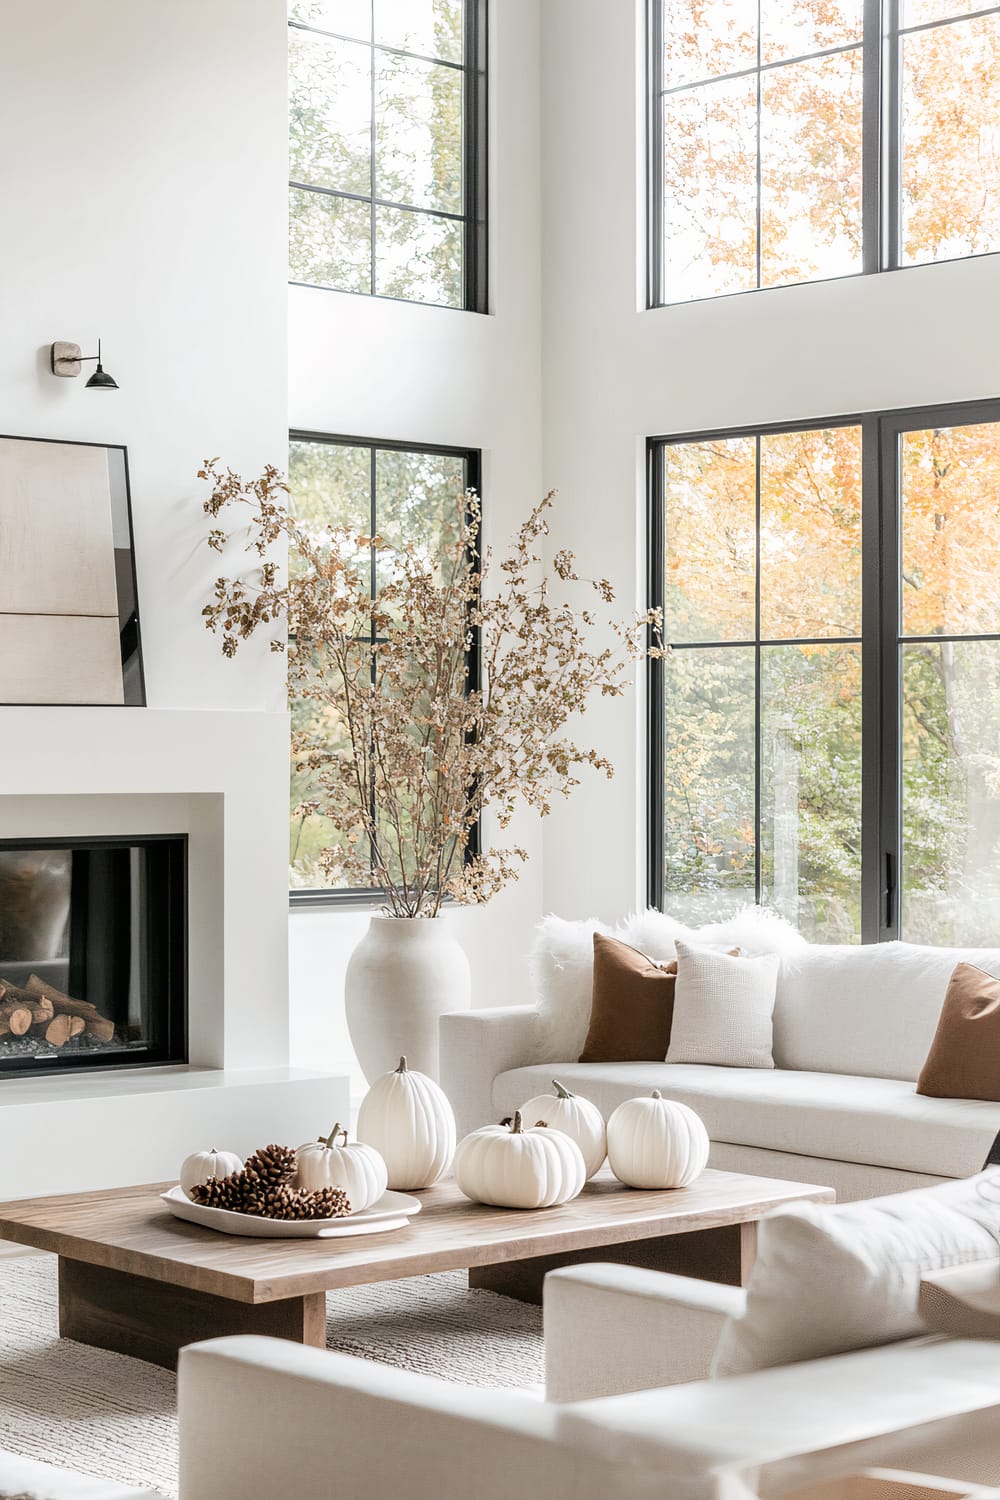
(45, 1012)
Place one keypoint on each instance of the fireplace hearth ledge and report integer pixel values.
(121, 1127)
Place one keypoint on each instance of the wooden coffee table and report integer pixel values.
(134, 1279)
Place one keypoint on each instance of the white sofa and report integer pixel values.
(852, 1026)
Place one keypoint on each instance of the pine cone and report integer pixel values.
(326, 1203)
(221, 1192)
(271, 1164)
(273, 1200)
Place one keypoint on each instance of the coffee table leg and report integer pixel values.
(153, 1320)
(725, 1254)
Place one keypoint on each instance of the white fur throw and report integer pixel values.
(562, 960)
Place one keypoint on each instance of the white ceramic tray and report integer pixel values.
(392, 1211)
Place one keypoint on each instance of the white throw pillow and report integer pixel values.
(723, 1008)
(834, 1277)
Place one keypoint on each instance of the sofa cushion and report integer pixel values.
(964, 1060)
(869, 1010)
(881, 1122)
(833, 1277)
(722, 1008)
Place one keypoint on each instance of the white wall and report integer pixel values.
(614, 374)
(374, 368)
(143, 182)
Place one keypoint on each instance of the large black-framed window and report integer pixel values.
(387, 149)
(824, 735)
(403, 492)
(789, 142)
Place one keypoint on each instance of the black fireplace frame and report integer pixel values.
(172, 1049)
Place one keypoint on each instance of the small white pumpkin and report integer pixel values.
(575, 1117)
(202, 1166)
(352, 1166)
(408, 1119)
(511, 1167)
(656, 1143)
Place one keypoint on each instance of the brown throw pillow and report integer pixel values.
(633, 1005)
(964, 1060)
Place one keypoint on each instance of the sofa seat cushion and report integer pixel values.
(881, 1122)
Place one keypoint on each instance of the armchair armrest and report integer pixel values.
(890, 1484)
(309, 1424)
(476, 1045)
(611, 1329)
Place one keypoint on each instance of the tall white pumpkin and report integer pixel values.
(407, 1118)
(511, 1167)
(575, 1117)
(656, 1143)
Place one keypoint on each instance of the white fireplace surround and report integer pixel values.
(87, 771)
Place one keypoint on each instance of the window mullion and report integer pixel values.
(873, 176)
(890, 792)
(891, 152)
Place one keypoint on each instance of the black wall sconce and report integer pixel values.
(68, 361)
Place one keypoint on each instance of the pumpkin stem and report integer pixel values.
(516, 1127)
(561, 1093)
(338, 1129)
(656, 1094)
(402, 1065)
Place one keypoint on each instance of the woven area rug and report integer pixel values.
(113, 1417)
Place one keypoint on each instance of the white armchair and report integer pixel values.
(261, 1418)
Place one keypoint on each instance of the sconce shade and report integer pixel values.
(101, 381)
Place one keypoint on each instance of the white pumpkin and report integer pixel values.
(202, 1166)
(511, 1167)
(656, 1143)
(408, 1119)
(352, 1166)
(575, 1117)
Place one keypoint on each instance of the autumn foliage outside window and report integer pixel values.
(767, 118)
(773, 599)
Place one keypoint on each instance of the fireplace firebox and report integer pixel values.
(93, 953)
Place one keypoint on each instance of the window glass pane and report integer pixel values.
(950, 886)
(431, 27)
(950, 489)
(921, 12)
(710, 529)
(794, 28)
(811, 788)
(705, 41)
(811, 156)
(418, 133)
(950, 134)
(708, 781)
(418, 500)
(345, 17)
(329, 241)
(710, 190)
(329, 112)
(419, 257)
(330, 485)
(810, 533)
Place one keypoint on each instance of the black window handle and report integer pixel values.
(890, 889)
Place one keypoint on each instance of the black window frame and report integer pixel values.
(881, 638)
(364, 897)
(881, 157)
(475, 172)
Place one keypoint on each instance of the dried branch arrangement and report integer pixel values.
(415, 744)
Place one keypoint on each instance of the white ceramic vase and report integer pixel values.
(403, 975)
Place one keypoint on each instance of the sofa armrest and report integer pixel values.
(611, 1329)
(262, 1418)
(890, 1484)
(475, 1046)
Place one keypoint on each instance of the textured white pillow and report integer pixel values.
(833, 1277)
(723, 1008)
